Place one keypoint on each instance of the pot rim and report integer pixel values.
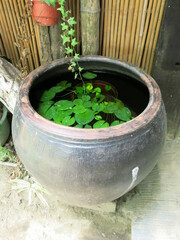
(127, 128)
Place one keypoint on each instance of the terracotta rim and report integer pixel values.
(130, 127)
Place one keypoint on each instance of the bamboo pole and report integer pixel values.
(8, 41)
(128, 30)
(120, 28)
(152, 34)
(112, 36)
(101, 27)
(149, 34)
(141, 29)
(137, 32)
(145, 32)
(90, 13)
(156, 35)
(125, 14)
(2, 50)
(105, 27)
(12, 29)
(5, 40)
(108, 27)
(78, 25)
(116, 28)
(133, 31)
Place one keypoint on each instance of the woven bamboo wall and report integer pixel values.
(128, 31)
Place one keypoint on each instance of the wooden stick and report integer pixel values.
(101, 27)
(108, 27)
(12, 29)
(156, 35)
(152, 34)
(128, 30)
(8, 40)
(133, 31)
(120, 28)
(2, 50)
(78, 24)
(145, 32)
(149, 34)
(141, 29)
(137, 32)
(112, 28)
(125, 14)
(105, 27)
(117, 10)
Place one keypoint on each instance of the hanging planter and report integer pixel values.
(91, 166)
(4, 125)
(43, 14)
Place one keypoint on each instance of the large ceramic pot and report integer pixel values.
(91, 166)
(4, 127)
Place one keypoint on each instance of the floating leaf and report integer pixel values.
(84, 118)
(85, 98)
(78, 126)
(89, 75)
(60, 114)
(44, 106)
(47, 95)
(79, 109)
(107, 87)
(87, 126)
(98, 117)
(68, 121)
(97, 107)
(50, 113)
(78, 102)
(123, 114)
(87, 104)
(101, 124)
(64, 104)
(116, 122)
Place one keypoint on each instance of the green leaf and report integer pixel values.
(87, 104)
(76, 56)
(65, 39)
(44, 106)
(79, 90)
(87, 126)
(123, 114)
(79, 109)
(73, 64)
(101, 124)
(97, 107)
(89, 87)
(75, 75)
(47, 95)
(64, 104)
(78, 102)
(89, 75)
(98, 117)
(50, 113)
(111, 107)
(64, 26)
(107, 87)
(71, 21)
(71, 32)
(80, 69)
(84, 118)
(116, 122)
(60, 114)
(78, 126)
(85, 98)
(74, 42)
(68, 121)
(69, 50)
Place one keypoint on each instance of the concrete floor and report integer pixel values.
(151, 211)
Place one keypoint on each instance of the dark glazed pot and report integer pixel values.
(91, 166)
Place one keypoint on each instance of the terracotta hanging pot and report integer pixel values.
(43, 14)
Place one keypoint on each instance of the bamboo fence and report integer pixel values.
(128, 31)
